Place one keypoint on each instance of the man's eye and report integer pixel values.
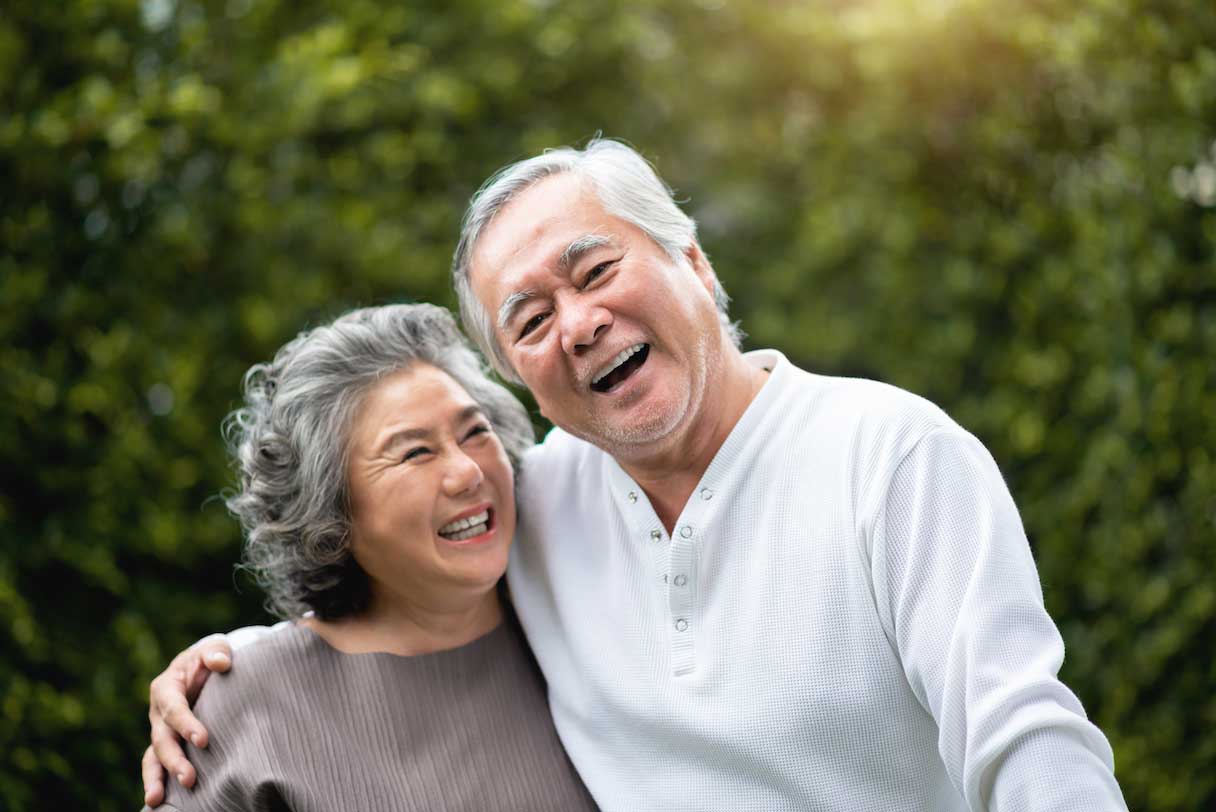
(532, 323)
(595, 272)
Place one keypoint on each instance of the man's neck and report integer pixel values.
(670, 471)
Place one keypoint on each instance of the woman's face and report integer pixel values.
(431, 490)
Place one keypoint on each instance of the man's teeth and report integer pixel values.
(621, 357)
(466, 528)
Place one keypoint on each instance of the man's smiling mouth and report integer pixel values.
(626, 362)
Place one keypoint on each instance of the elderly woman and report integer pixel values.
(377, 499)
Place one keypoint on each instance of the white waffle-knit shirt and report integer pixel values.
(847, 616)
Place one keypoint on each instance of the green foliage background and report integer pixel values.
(1004, 205)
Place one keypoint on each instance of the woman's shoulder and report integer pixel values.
(257, 668)
(242, 711)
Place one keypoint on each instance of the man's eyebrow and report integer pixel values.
(511, 306)
(576, 249)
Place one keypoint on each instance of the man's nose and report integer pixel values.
(581, 322)
(462, 475)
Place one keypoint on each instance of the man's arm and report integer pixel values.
(171, 696)
(960, 597)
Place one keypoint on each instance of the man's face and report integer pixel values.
(617, 341)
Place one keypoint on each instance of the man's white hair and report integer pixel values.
(626, 186)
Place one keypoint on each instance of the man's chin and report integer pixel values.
(639, 432)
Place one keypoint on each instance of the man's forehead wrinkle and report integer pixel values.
(497, 248)
(524, 232)
(518, 253)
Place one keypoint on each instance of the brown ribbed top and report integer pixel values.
(299, 725)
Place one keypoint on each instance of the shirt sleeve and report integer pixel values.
(960, 598)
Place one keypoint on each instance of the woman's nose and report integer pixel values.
(463, 473)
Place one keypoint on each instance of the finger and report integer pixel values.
(216, 653)
(171, 694)
(170, 685)
(198, 676)
(154, 778)
(182, 721)
(169, 753)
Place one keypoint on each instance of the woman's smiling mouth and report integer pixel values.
(468, 527)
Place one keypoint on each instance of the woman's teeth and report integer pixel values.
(466, 528)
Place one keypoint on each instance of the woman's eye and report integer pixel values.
(532, 323)
(415, 453)
(476, 430)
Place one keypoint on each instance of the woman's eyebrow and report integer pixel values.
(469, 412)
(397, 437)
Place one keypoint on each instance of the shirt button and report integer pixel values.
(707, 494)
(686, 532)
(633, 496)
(680, 580)
(655, 535)
(681, 624)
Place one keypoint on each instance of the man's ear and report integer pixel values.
(700, 266)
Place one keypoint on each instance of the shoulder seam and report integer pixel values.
(880, 511)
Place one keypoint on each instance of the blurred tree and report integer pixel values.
(1006, 205)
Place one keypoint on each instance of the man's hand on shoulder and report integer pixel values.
(171, 696)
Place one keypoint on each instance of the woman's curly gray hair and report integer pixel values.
(290, 441)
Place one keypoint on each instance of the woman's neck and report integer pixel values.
(399, 627)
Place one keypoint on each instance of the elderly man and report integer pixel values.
(748, 586)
